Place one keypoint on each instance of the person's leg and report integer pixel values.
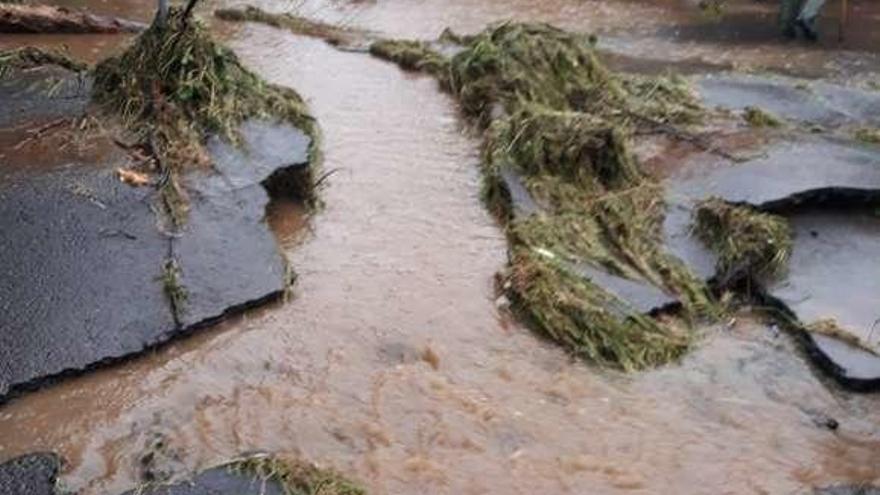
(806, 20)
(788, 15)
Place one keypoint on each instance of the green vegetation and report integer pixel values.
(555, 116)
(831, 328)
(175, 86)
(747, 241)
(174, 290)
(297, 477)
(757, 117)
(868, 135)
(29, 57)
(295, 24)
(411, 55)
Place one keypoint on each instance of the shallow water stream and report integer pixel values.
(393, 363)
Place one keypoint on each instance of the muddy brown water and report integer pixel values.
(393, 363)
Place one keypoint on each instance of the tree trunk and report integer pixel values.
(48, 19)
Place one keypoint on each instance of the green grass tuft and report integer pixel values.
(293, 23)
(411, 55)
(760, 118)
(174, 289)
(29, 57)
(748, 242)
(174, 86)
(297, 477)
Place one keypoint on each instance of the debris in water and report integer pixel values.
(562, 121)
(29, 57)
(133, 178)
(748, 242)
(831, 328)
(757, 117)
(431, 357)
(334, 35)
(868, 135)
(297, 477)
(175, 86)
(411, 55)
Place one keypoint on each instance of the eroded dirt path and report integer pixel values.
(392, 362)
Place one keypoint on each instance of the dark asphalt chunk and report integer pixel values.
(227, 254)
(853, 367)
(788, 171)
(642, 296)
(43, 94)
(805, 170)
(847, 490)
(818, 103)
(83, 256)
(32, 474)
(639, 295)
(218, 481)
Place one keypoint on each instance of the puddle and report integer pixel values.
(392, 363)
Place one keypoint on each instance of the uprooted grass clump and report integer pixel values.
(297, 477)
(29, 57)
(759, 118)
(175, 86)
(748, 242)
(296, 24)
(869, 135)
(585, 318)
(555, 116)
(831, 328)
(173, 287)
(411, 55)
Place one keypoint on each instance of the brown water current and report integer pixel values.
(393, 363)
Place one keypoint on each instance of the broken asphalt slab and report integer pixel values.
(32, 474)
(796, 170)
(793, 99)
(825, 187)
(36, 474)
(226, 251)
(82, 257)
(830, 275)
(803, 170)
(223, 480)
(43, 94)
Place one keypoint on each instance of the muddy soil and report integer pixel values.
(394, 361)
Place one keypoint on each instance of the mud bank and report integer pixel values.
(45, 19)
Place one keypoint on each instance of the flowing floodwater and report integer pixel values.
(394, 363)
